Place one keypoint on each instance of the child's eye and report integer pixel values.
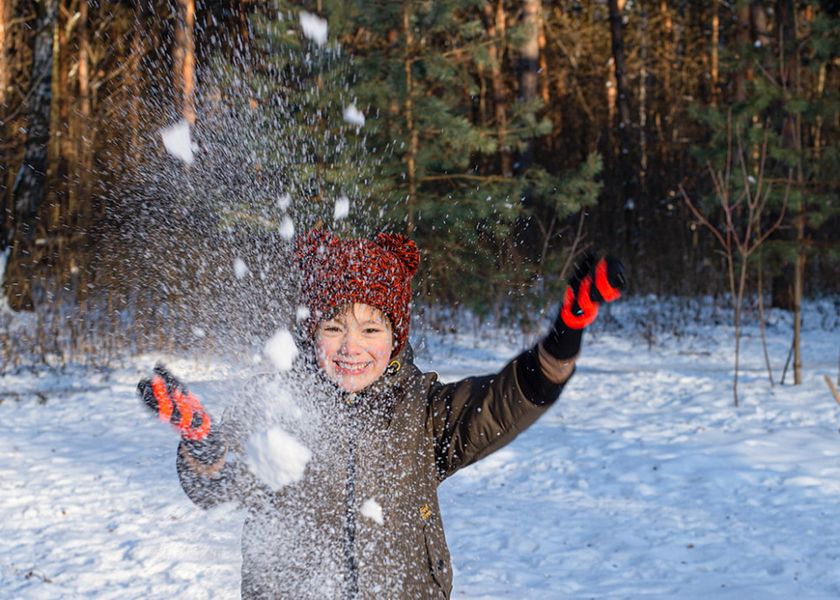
(372, 330)
(332, 328)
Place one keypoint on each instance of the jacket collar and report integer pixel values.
(381, 397)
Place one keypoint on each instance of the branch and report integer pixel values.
(778, 222)
(833, 389)
(722, 192)
(700, 217)
(573, 250)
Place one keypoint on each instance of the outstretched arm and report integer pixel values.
(472, 418)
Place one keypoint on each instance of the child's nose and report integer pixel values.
(351, 344)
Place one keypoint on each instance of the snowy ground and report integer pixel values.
(643, 481)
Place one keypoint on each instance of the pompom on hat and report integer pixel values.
(337, 273)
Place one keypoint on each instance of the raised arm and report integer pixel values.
(474, 417)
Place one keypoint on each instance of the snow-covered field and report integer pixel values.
(643, 481)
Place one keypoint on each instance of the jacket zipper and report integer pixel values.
(351, 563)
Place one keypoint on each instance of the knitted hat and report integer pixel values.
(337, 273)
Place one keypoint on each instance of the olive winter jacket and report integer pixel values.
(364, 521)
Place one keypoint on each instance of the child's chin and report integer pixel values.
(351, 383)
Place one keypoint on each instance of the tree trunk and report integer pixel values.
(643, 76)
(789, 63)
(138, 50)
(545, 81)
(5, 66)
(625, 159)
(495, 24)
(714, 61)
(742, 41)
(529, 65)
(30, 186)
(410, 126)
(667, 54)
(59, 154)
(184, 60)
(84, 140)
(798, 285)
(617, 38)
(6, 12)
(762, 321)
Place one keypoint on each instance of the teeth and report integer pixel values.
(351, 366)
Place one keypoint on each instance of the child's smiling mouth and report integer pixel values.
(350, 368)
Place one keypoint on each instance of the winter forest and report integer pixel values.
(161, 159)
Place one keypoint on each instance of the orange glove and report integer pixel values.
(173, 403)
(593, 282)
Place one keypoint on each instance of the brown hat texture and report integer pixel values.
(337, 273)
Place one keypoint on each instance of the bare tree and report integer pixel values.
(742, 199)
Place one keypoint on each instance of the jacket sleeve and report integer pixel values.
(471, 418)
(230, 481)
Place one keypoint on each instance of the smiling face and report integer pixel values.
(354, 347)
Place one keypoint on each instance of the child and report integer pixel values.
(363, 520)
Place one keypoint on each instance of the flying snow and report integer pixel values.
(281, 349)
(276, 457)
(176, 140)
(240, 269)
(314, 27)
(373, 511)
(287, 228)
(302, 313)
(284, 201)
(342, 208)
(353, 115)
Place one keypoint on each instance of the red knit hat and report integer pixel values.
(378, 272)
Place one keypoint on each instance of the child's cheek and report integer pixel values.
(382, 352)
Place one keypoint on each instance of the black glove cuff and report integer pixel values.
(208, 451)
(563, 342)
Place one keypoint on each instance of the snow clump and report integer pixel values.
(281, 350)
(240, 269)
(314, 27)
(276, 457)
(342, 208)
(176, 140)
(353, 115)
(302, 313)
(373, 511)
(287, 228)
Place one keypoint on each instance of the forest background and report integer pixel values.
(698, 141)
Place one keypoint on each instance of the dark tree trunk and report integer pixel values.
(626, 160)
(30, 186)
(529, 66)
(495, 22)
